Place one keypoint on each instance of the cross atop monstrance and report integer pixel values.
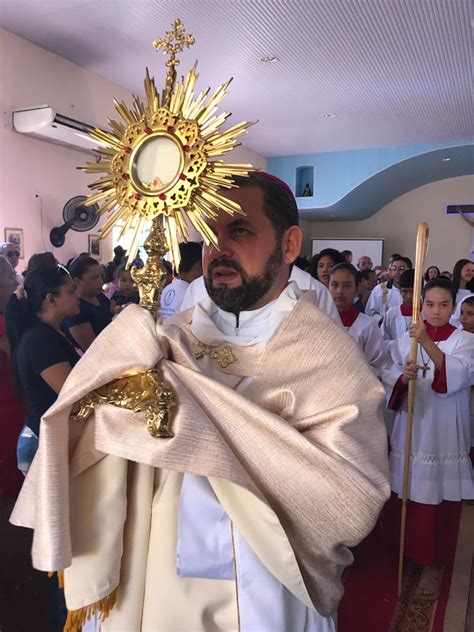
(181, 40)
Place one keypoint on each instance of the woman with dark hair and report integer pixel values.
(41, 259)
(94, 307)
(463, 273)
(432, 273)
(42, 355)
(321, 264)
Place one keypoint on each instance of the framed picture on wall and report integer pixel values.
(15, 236)
(94, 246)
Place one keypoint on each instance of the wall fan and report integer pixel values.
(76, 217)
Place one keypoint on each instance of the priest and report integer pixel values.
(274, 467)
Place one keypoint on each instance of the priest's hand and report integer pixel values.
(419, 332)
(410, 371)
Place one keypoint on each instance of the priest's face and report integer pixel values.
(251, 265)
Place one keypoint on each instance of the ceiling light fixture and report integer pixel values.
(269, 59)
(445, 159)
(328, 115)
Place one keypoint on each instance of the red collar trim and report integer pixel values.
(438, 334)
(349, 316)
(405, 310)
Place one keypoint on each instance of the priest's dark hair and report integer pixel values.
(443, 283)
(407, 278)
(345, 265)
(279, 202)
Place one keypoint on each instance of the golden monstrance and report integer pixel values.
(159, 166)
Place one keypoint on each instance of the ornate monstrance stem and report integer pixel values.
(151, 278)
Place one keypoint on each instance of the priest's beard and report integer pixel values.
(252, 289)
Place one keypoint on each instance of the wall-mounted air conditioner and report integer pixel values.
(45, 123)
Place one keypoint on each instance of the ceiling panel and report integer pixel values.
(393, 71)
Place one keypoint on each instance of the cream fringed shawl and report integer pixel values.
(308, 439)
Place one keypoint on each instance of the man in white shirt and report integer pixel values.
(383, 297)
(190, 268)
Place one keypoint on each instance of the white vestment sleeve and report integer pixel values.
(388, 326)
(373, 347)
(327, 305)
(195, 293)
(324, 299)
(393, 365)
(459, 363)
(374, 305)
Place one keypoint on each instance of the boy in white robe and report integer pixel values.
(383, 297)
(456, 317)
(440, 469)
(344, 287)
(397, 320)
(466, 316)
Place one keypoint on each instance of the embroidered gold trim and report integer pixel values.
(142, 392)
(222, 355)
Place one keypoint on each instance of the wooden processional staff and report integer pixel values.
(422, 239)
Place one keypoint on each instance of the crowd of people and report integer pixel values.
(51, 315)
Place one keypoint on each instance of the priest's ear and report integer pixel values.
(292, 242)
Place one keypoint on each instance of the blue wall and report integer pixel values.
(336, 174)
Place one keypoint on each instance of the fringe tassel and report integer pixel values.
(76, 618)
(60, 577)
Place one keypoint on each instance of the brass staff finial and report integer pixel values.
(181, 40)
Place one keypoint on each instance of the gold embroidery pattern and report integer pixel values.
(143, 392)
(222, 355)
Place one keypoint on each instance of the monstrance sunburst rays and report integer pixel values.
(189, 123)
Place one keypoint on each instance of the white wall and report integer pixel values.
(30, 75)
(307, 228)
(451, 238)
(246, 156)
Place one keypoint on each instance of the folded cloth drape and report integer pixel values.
(307, 439)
